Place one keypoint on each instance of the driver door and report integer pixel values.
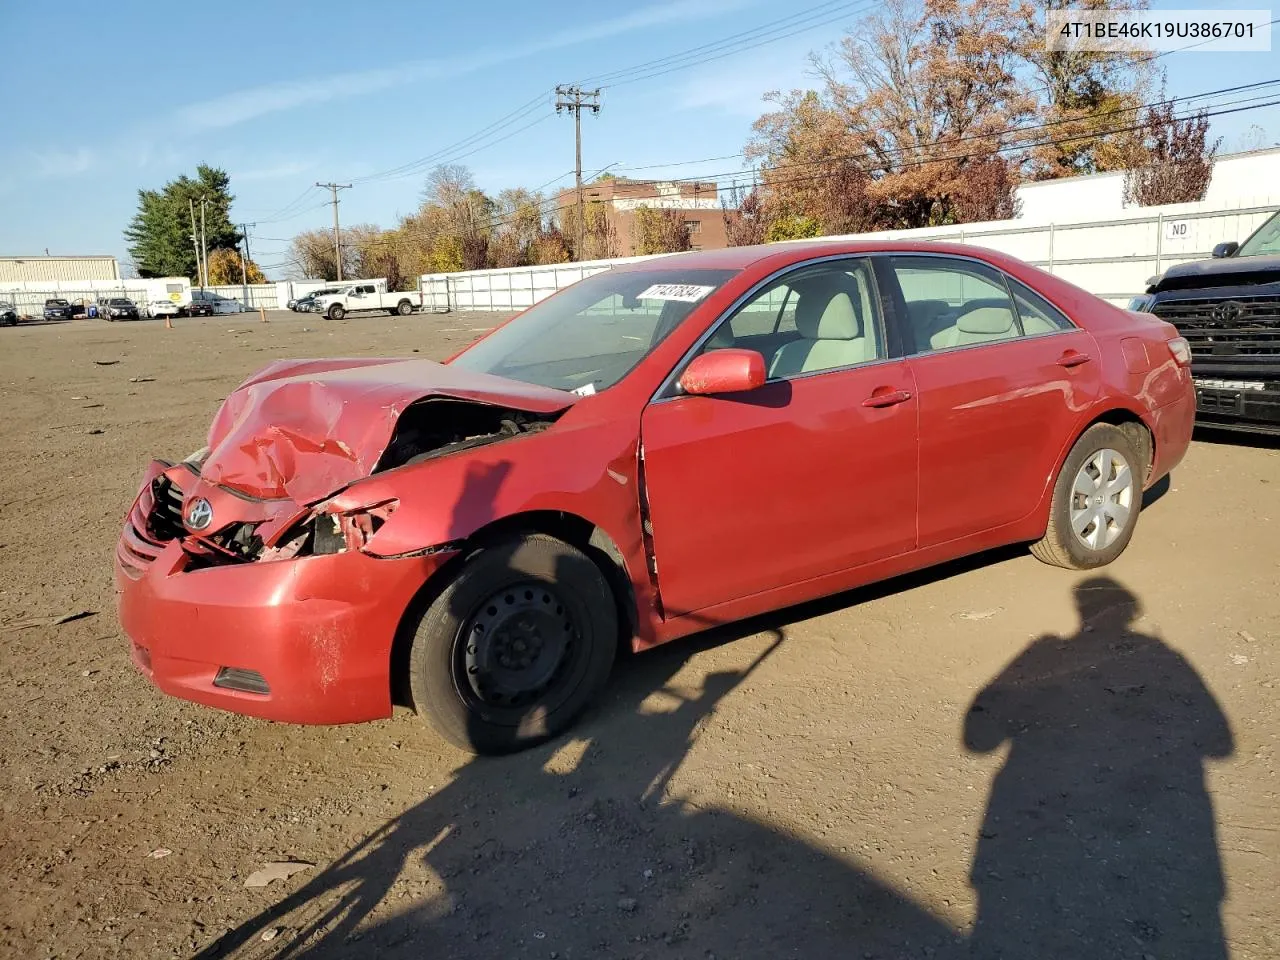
(813, 473)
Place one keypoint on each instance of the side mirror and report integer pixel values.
(724, 371)
(1225, 249)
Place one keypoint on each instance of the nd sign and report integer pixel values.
(1177, 229)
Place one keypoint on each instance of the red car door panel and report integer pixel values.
(993, 418)
(791, 481)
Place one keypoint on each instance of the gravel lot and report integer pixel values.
(992, 759)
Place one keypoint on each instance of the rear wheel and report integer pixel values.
(404, 308)
(515, 647)
(1096, 501)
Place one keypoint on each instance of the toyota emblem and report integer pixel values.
(199, 514)
(1228, 312)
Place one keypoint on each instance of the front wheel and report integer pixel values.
(515, 647)
(336, 312)
(1096, 501)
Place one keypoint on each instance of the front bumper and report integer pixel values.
(1235, 402)
(319, 630)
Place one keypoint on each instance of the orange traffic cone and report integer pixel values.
(168, 322)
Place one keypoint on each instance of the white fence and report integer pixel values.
(1111, 258)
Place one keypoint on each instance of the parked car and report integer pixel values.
(117, 308)
(56, 308)
(198, 308)
(8, 314)
(1228, 308)
(365, 298)
(307, 304)
(659, 448)
(162, 308)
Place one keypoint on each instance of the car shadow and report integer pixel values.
(1236, 438)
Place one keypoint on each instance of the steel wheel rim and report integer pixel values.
(517, 645)
(1102, 499)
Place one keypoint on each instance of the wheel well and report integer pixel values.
(570, 528)
(1138, 433)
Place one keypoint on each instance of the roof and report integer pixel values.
(739, 258)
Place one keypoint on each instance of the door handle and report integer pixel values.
(1073, 358)
(886, 399)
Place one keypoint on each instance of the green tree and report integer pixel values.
(159, 235)
(660, 231)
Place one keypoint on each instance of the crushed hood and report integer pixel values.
(1222, 272)
(306, 428)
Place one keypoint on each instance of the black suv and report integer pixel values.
(1228, 309)
(8, 314)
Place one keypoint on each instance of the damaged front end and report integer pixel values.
(219, 523)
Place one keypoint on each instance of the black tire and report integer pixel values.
(1060, 546)
(336, 312)
(404, 308)
(561, 633)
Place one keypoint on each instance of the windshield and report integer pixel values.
(1265, 240)
(120, 302)
(592, 334)
(57, 303)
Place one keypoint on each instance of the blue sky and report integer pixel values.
(143, 91)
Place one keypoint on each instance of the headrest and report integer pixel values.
(824, 312)
(986, 321)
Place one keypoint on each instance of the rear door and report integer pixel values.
(1001, 376)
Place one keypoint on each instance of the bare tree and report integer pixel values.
(1180, 158)
(746, 225)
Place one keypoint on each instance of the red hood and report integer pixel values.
(304, 428)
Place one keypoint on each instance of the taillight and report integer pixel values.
(1181, 351)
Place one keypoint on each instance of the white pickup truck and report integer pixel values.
(362, 296)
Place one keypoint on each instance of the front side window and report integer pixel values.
(1265, 240)
(592, 334)
(953, 303)
(821, 317)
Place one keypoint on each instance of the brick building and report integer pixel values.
(699, 202)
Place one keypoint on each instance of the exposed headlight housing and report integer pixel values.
(337, 532)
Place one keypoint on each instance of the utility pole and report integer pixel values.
(244, 261)
(195, 241)
(204, 245)
(337, 238)
(575, 100)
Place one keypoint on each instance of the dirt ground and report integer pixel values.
(995, 759)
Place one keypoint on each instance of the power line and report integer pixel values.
(1227, 108)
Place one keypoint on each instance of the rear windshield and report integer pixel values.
(57, 303)
(592, 334)
(117, 301)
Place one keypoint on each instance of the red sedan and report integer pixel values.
(662, 447)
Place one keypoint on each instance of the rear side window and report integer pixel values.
(1038, 314)
(954, 303)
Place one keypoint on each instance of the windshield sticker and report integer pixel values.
(684, 292)
(586, 390)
